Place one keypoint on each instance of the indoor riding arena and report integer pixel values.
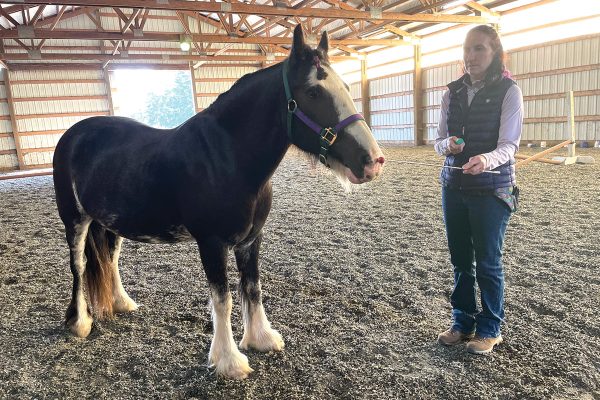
(356, 278)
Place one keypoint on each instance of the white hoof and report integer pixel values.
(263, 340)
(232, 365)
(81, 327)
(124, 304)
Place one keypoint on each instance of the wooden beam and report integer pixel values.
(54, 115)
(543, 153)
(175, 37)
(241, 8)
(155, 57)
(107, 73)
(37, 15)
(364, 92)
(13, 119)
(419, 138)
(194, 91)
(8, 17)
(478, 7)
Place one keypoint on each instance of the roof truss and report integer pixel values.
(355, 27)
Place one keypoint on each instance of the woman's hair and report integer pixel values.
(497, 68)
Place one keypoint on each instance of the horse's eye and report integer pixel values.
(313, 92)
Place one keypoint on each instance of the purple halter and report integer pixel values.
(327, 135)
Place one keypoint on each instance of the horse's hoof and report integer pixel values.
(233, 366)
(264, 341)
(124, 305)
(80, 327)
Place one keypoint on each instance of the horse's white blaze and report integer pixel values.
(224, 354)
(83, 322)
(344, 106)
(258, 333)
(121, 300)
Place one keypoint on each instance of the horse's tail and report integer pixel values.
(99, 271)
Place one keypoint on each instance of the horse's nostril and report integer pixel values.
(366, 159)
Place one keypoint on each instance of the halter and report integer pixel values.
(327, 135)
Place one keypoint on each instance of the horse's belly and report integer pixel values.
(171, 234)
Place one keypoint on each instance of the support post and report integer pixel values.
(417, 98)
(364, 92)
(13, 120)
(571, 123)
(194, 91)
(107, 73)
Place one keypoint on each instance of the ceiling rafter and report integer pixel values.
(102, 34)
(270, 32)
(243, 8)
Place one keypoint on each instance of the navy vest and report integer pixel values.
(479, 125)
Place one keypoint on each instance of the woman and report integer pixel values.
(479, 131)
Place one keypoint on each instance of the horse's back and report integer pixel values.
(108, 160)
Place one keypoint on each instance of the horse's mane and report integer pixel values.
(252, 78)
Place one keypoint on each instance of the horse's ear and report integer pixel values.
(324, 43)
(298, 45)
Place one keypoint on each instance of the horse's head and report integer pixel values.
(324, 121)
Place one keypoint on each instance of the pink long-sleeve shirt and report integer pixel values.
(511, 124)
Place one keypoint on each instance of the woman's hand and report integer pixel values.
(453, 147)
(475, 166)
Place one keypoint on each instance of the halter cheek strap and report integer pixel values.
(327, 135)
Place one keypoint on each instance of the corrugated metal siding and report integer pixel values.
(355, 93)
(208, 91)
(391, 103)
(41, 108)
(548, 62)
(435, 80)
(9, 160)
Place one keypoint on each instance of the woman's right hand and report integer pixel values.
(453, 147)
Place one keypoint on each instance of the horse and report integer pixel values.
(207, 180)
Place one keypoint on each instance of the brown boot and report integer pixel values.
(479, 345)
(452, 337)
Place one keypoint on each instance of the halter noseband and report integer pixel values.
(327, 135)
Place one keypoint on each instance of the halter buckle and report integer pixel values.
(328, 135)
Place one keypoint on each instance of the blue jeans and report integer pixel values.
(475, 227)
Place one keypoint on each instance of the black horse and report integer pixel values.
(206, 180)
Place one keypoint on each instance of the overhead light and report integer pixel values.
(185, 43)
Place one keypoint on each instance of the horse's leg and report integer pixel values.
(258, 333)
(224, 354)
(121, 300)
(78, 316)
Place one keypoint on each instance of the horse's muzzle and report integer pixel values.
(373, 166)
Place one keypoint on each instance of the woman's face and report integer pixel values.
(477, 54)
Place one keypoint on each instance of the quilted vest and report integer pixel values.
(479, 125)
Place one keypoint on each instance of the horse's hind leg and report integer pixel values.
(258, 333)
(121, 300)
(224, 354)
(78, 316)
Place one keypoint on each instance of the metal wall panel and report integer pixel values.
(43, 115)
(551, 59)
(435, 80)
(391, 104)
(8, 161)
(7, 143)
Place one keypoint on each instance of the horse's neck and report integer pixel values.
(251, 114)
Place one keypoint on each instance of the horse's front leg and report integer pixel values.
(224, 354)
(258, 333)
